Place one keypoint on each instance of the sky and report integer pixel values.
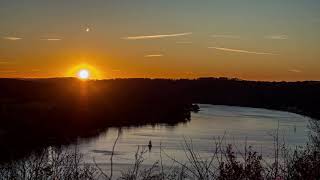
(248, 39)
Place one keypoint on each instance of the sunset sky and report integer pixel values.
(247, 39)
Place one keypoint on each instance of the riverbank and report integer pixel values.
(41, 110)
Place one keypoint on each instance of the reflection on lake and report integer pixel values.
(237, 123)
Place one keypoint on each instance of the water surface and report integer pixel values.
(236, 125)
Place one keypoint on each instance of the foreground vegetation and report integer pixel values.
(227, 162)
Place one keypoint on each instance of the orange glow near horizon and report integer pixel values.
(264, 41)
(84, 72)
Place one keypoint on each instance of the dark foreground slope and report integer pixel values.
(33, 112)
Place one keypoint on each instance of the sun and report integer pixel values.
(84, 74)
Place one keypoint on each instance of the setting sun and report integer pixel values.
(83, 74)
(84, 71)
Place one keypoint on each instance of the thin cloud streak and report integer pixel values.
(227, 36)
(184, 42)
(241, 51)
(277, 37)
(295, 70)
(8, 71)
(153, 55)
(5, 62)
(11, 38)
(159, 36)
(51, 39)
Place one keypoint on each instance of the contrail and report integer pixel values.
(157, 36)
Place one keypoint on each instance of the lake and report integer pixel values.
(237, 125)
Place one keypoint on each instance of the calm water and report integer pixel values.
(237, 123)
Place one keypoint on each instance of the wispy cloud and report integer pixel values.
(8, 71)
(184, 42)
(227, 36)
(158, 36)
(51, 39)
(5, 62)
(295, 70)
(241, 51)
(277, 37)
(11, 38)
(153, 55)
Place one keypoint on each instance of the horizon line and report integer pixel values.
(157, 78)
